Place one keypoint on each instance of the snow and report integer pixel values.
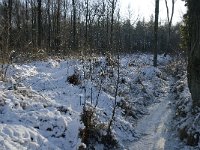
(186, 116)
(154, 127)
(40, 109)
(34, 107)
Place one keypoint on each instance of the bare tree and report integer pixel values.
(39, 11)
(86, 21)
(74, 44)
(72, 24)
(156, 33)
(33, 23)
(49, 23)
(169, 19)
(26, 21)
(113, 6)
(58, 14)
(8, 23)
(110, 123)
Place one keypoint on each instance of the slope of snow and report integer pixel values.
(40, 109)
(154, 128)
(187, 118)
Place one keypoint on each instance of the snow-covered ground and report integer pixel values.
(40, 109)
(154, 127)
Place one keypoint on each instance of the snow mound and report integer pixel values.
(14, 137)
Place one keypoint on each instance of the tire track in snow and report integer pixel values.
(155, 127)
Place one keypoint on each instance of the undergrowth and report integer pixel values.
(94, 132)
(187, 117)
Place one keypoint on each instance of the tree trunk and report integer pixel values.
(74, 44)
(156, 33)
(49, 25)
(169, 19)
(26, 22)
(9, 24)
(194, 51)
(39, 23)
(86, 22)
(107, 29)
(113, 5)
(58, 40)
(33, 24)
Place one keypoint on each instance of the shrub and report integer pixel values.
(74, 79)
(94, 131)
(192, 138)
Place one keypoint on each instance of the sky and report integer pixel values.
(145, 8)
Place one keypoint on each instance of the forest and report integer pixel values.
(78, 75)
(61, 27)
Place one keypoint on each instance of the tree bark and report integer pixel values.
(26, 22)
(9, 24)
(74, 44)
(49, 24)
(156, 33)
(113, 5)
(86, 22)
(169, 19)
(39, 23)
(194, 51)
(58, 40)
(33, 24)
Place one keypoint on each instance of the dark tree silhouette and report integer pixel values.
(194, 50)
(156, 33)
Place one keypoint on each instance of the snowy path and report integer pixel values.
(155, 127)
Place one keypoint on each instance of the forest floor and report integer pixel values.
(45, 104)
